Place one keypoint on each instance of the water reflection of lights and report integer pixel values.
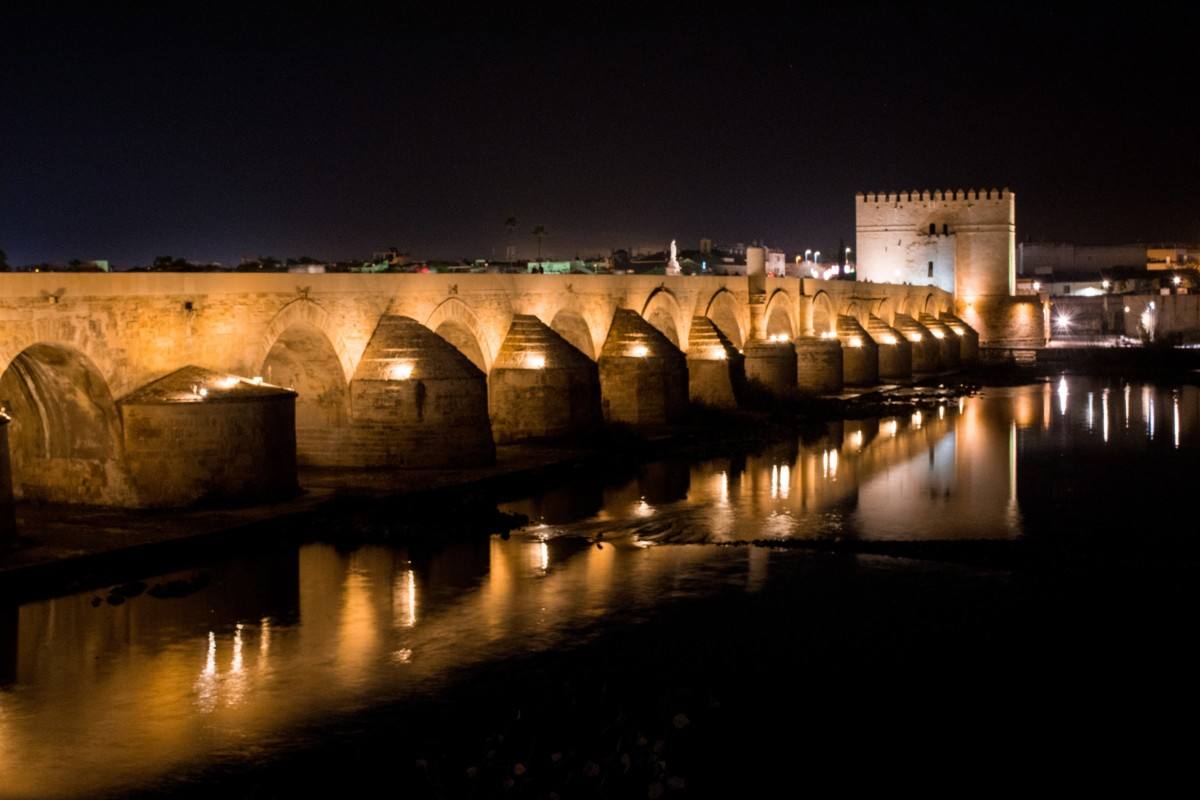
(1104, 413)
(781, 479)
(404, 599)
(264, 641)
(235, 665)
(890, 427)
(916, 419)
(941, 412)
(962, 403)
(643, 509)
(1091, 416)
(1148, 410)
(210, 663)
(1175, 417)
(1127, 406)
(829, 464)
(402, 656)
(856, 440)
(1062, 395)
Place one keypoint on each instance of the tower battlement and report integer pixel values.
(962, 240)
(945, 195)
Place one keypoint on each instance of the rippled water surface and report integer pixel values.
(95, 698)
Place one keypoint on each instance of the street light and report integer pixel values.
(1037, 287)
(806, 254)
(1105, 283)
(817, 256)
(1177, 280)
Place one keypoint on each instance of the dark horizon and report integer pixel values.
(212, 139)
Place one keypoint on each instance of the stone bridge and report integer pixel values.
(117, 383)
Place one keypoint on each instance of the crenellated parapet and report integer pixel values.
(936, 195)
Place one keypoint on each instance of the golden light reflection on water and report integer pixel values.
(103, 697)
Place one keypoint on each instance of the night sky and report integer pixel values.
(214, 137)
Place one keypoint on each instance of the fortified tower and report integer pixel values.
(963, 241)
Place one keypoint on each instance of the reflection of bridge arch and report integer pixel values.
(778, 314)
(824, 314)
(455, 322)
(725, 312)
(663, 312)
(65, 434)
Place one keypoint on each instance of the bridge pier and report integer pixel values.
(860, 354)
(926, 351)
(201, 436)
(818, 365)
(8, 521)
(951, 350)
(541, 386)
(643, 377)
(771, 366)
(716, 369)
(416, 401)
(895, 352)
(968, 339)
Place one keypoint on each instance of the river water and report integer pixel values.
(102, 698)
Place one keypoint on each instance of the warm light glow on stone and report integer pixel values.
(938, 335)
(887, 338)
(639, 351)
(915, 337)
(855, 341)
(401, 372)
(535, 361)
(257, 380)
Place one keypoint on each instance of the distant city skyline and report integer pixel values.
(212, 139)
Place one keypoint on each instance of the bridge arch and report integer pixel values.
(663, 312)
(725, 312)
(65, 435)
(305, 315)
(778, 314)
(886, 310)
(454, 321)
(824, 314)
(572, 326)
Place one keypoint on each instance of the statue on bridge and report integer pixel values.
(673, 267)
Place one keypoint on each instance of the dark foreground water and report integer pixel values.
(613, 647)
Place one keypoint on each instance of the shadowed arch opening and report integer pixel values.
(65, 434)
(662, 311)
(454, 321)
(824, 317)
(723, 311)
(930, 305)
(574, 328)
(887, 310)
(464, 341)
(304, 360)
(778, 316)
